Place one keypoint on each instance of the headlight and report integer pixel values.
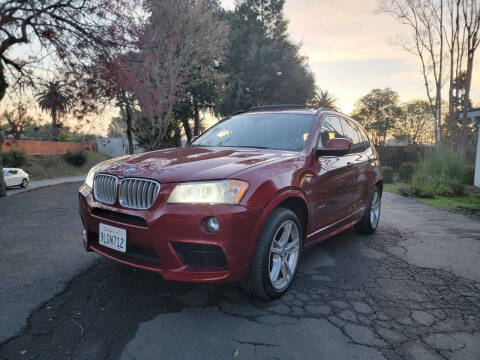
(209, 192)
(90, 177)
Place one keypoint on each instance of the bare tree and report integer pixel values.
(426, 19)
(471, 18)
(70, 29)
(445, 36)
(173, 49)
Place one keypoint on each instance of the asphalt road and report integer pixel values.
(411, 291)
(35, 184)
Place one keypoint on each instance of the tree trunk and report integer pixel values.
(451, 110)
(54, 123)
(178, 140)
(3, 187)
(129, 129)
(3, 82)
(466, 103)
(196, 128)
(187, 129)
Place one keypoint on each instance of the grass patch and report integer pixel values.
(392, 188)
(469, 202)
(54, 166)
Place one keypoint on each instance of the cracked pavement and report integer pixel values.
(410, 291)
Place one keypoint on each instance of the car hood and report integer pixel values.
(191, 163)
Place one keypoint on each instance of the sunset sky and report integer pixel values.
(351, 49)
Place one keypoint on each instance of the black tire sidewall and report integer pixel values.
(276, 221)
(24, 183)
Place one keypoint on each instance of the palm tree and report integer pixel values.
(52, 98)
(323, 99)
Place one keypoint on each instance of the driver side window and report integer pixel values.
(331, 129)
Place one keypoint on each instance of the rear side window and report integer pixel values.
(364, 136)
(351, 133)
(331, 129)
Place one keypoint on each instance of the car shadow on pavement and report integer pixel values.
(351, 298)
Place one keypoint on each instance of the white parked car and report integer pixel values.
(15, 177)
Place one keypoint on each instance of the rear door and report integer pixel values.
(331, 186)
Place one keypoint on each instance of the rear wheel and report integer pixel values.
(370, 219)
(24, 183)
(276, 257)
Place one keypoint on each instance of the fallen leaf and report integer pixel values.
(236, 353)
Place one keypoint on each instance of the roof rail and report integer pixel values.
(280, 107)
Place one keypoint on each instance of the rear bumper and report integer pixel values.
(152, 234)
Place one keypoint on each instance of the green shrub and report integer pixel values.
(405, 190)
(422, 192)
(15, 158)
(469, 177)
(76, 158)
(440, 171)
(387, 174)
(406, 171)
(414, 191)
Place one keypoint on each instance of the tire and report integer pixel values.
(24, 183)
(275, 257)
(369, 222)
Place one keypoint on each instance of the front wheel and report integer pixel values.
(276, 257)
(370, 219)
(24, 183)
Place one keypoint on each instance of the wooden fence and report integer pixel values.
(34, 147)
(395, 156)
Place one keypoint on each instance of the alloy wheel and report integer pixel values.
(284, 254)
(375, 210)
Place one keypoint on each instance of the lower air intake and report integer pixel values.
(199, 256)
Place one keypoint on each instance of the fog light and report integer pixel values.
(212, 224)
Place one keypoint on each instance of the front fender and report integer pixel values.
(267, 210)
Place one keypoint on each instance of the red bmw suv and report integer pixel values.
(240, 202)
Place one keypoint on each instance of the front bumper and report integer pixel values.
(153, 236)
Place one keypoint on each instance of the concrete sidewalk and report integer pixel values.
(43, 183)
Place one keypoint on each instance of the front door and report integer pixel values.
(11, 178)
(331, 186)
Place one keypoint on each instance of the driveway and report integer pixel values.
(36, 184)
(410, 291)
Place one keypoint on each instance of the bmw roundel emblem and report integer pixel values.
(128, 171)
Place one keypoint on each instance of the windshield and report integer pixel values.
(284, 131)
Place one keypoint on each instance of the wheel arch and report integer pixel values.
(379, 183)
(292, 199)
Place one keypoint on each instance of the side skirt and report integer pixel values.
(334, 228)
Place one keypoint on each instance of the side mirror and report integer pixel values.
(335, 147)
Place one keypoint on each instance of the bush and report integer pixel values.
(414, 191)
(406, 171)
(15, 158)
(76, 158)
(469, 177)
(440, 171)
(387, 174)
(405, 190)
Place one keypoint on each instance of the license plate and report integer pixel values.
(113, 237)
